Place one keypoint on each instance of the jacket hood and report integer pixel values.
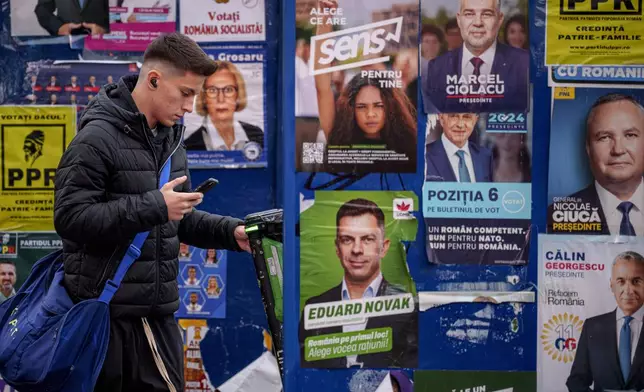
(114, 104)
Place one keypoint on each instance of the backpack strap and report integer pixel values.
(133, 251)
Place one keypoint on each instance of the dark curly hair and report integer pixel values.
(399, 131)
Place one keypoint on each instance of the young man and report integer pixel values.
(107, 191)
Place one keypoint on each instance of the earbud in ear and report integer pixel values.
(154, 83)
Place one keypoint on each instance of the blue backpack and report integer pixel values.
(50, 344)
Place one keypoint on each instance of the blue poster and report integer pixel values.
(50, 82)
(598, 133)
(477, 192)
(589, 75)
(202, 282)
(227, 128)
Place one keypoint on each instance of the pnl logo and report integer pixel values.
(559, 337)
(403, 208)
(8, 245)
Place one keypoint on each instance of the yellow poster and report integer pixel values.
(32, 141)
(594, 32)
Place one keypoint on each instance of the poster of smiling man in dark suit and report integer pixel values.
(610, 353)
(482, 75)
(382, 310)
(607, 197)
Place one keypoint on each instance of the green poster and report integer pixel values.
(273, 254)
(474, 381)
(24, 249)
(356, 295)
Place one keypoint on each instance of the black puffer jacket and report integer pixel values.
(107, 191)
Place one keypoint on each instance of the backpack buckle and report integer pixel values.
(110, 286)
(133, 251)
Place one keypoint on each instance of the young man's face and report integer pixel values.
(175, 97)
(360, 245)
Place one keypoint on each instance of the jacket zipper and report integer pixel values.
(158, 249)
(157, 284)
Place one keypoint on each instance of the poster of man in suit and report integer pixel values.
(590, 314)
(59, 17)
(489, 71)
(600, 190)
(357, 302)
(477, 181)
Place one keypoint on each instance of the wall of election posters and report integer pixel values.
(528, 141)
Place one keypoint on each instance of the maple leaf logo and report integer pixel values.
(403, 207)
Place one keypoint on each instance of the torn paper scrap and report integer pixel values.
(432, 299)
(260, 375)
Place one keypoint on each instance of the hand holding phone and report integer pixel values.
(206, 185)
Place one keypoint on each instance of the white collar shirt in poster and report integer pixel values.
(613, 216)
(451, 149)
(636, 327)
(467, 68)
(214, 142)
(370, 292)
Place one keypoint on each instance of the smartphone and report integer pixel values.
(81, 31)
(206, 185)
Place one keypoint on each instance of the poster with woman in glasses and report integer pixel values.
(227, 128)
